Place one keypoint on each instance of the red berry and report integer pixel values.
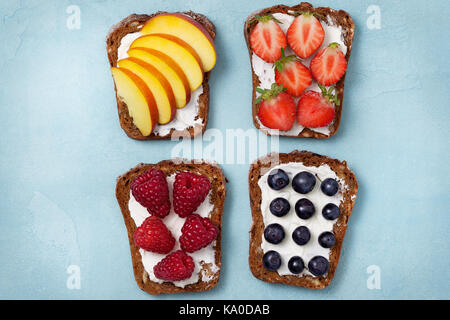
(150, 189)
(174, 267)
(154, 236)
(267, 38)
(305, 35)
(292, 74)
(316, 110)
(197, 233)
(329, 65)
(189, 191)
(277, 109)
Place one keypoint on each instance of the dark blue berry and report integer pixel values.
(279, 207)
(301, 235)
(278, 179)
(303, 182)
(272, 260)
(327, 239)
(331, 211)
(296, 265)
(274, 233)
(318, 266)
(329, 186)
(304, 208)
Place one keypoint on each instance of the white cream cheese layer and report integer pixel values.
(175, 223)
(186, 117)
(316, 224)
(125, 44)
(266, 73)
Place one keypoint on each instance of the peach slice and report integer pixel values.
(138, 98)
(188, 30)
(169, 69)
(158, 85)
(177, 50)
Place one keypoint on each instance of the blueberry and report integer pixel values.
(330, 211)
(304, 209)
(327, 239)
(278, 179)
(272, 260)
(301, 235)
(279, 207)
(318, 266)
(296, 265)
(303, 182)
(274, 233)
(329, 187)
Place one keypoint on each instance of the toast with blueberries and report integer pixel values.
(173, 214)
(299, 58)
(301, 203)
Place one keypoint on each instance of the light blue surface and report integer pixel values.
(62, 148)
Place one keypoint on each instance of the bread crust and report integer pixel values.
(339, 18)
(217, 198)
(131, 24)
(257, 228)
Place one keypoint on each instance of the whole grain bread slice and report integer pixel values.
(257, 170)
(132, 24)
(217, 198)
(339, 18)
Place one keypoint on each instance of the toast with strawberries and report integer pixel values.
(173, 214)
(301, 52)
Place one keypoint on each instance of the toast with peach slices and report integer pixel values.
(304, 42)
(160, 65)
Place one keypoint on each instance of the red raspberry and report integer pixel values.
(174, 267)
(150, 189)
(154, 236)
(197, 233)
(189, 191)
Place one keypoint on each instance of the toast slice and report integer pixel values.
(338, 18)
(348, 187)
(131, 24)
(217, 198)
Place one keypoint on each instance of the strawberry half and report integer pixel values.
(292, 74)
(315, 110)
(267, 38)
(276, 109)
(329, 65)
(305, 35)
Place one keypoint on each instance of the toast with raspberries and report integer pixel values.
(301, 203)
(173, 214)
(175, 78)
(303, 66)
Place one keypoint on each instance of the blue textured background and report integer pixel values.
(62, 148)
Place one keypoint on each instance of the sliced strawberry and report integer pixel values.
(315, 110)
(292, 74)
(305, 35)
(267, 38)
(276, 109)
(329, 65)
